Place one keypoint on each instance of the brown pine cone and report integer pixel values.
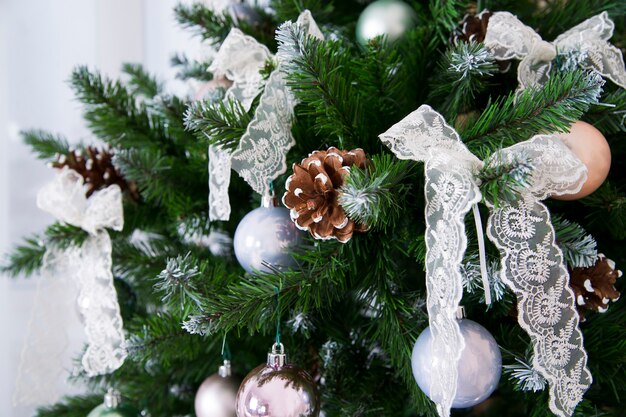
(473, 28)
(96, 167)
(313, 191)
(594, 287)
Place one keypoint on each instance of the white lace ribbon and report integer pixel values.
(87, 267)
(450, 193)
(546, 304)
(508, 38)
(261, 154)
(533, 267)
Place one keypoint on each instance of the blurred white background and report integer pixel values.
(40, 42)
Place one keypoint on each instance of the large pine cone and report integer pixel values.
(96, 167)
(594, 287)
(313, 191)
(473, 28)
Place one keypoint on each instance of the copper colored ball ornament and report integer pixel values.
(277, 389)
(216, 395)
(113, 407)
(590, 146)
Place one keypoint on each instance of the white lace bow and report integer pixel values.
(532, 264)
(87, 267)
(261, 154)
(508, 38)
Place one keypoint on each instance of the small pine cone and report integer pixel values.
(313, 191)
(473, 28)
(96, 167)
(594, 287)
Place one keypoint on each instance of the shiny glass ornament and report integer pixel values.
(479, 367)
(113, 407)
(591, 147)
(385, 17)
(216, 395)
(266, 235)
(277, 389)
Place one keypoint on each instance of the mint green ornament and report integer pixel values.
(392, 18)
(112, 407)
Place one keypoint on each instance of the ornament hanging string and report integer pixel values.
(278, 313)
(225, 350)
(481, 253)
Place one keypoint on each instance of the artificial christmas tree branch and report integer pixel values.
(552, 108)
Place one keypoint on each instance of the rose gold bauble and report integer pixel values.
(216, 396)
(277, 389)
(590, 146)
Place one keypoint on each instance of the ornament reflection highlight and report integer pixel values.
(479, 367)
(266, 235)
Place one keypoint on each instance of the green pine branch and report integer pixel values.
(375, 196)
(218, 122)
(25, 259)
(552, 108)
(320, 75)
(578, 247)
(77, 406)
(462, 74)
(502, 180)
(46, 146)
(141, 82)
(114, 114)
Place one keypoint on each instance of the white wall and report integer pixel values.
(40, 42)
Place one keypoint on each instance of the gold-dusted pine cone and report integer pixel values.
(594, 287)
(96, 167)
(313, 193)
(473, 28)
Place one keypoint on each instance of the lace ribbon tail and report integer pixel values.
(46, 351)
(482, 253)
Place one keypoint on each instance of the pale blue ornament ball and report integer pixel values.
(385, 17)
(267, 235)
(479, 367)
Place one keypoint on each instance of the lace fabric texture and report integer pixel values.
(261, 154)
(508, 38)
(532, 266)
(219, 181)
(450, 193)
(89, 265)
(240, 59)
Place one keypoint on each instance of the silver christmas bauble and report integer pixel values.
(479, 367)
(216, 397)
(385, 17)
(266, 235)
(277, 389)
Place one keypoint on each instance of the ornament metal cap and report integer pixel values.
(460, 313)
(277, 358)
(112, 398)
(224, 370)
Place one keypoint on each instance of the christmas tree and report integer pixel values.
(379, 125)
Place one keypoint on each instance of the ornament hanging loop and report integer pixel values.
(224, 370)
(112, 398)
(269, 198)
(277, 358)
